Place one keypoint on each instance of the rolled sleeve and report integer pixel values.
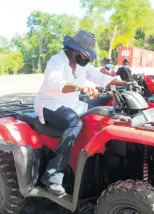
(94, 75)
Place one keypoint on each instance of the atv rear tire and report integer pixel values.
(133, 197)
(11, 200)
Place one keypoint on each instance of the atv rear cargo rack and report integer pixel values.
(12, 108)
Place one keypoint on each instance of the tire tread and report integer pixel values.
(15, 199)
(142, 191)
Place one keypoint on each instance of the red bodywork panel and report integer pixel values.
(149, 81)
(97, 130)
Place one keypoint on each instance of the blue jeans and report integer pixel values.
(67, 120)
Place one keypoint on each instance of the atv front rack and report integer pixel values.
(146, 126)
(12, 108)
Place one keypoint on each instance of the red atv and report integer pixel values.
(111, 167)
(147, 84)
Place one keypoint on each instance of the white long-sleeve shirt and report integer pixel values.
(57, 74)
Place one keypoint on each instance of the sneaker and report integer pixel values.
(56, 189)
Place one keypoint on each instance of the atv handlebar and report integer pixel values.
(108, 91)
(132, 86)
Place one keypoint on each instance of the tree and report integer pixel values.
(4, 45)
(27, 47)
(129, 16)
(10, 63)
(47, 31)
(123, 17)
(45, 37)
(15, 62)
(96, 24)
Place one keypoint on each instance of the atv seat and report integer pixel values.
(47, 129)
(33, 121)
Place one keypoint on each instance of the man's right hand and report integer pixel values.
(70, 87)
(92, 92)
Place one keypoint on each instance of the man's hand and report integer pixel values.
(92, 92)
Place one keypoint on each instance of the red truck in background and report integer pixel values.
(138, 57)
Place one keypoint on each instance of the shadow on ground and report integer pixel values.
(42, 206)
(26, 98)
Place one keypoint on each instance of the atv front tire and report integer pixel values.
(11, 200)
(133, 197)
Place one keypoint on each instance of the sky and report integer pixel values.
(14, 13)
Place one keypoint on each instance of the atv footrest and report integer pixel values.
(63, 200)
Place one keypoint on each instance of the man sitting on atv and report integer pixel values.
(67, 73)
(125, 72)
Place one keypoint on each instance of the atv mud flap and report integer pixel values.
(27, 167)
(27, 161)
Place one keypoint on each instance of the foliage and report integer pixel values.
(10, 61)
(44, 39)
(128, 16)
(114, 22)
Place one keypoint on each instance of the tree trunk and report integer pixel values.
(39, 57)
(146, 41)
(97, 53)
(112, 40)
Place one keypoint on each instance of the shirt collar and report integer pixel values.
(64, 56)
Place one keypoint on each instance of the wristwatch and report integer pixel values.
(77, 88)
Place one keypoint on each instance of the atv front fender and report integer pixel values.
(121, 133)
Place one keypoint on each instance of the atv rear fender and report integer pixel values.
(24, 143)
(19, 133)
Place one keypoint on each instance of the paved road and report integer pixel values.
(29, 83)
(22, 87)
